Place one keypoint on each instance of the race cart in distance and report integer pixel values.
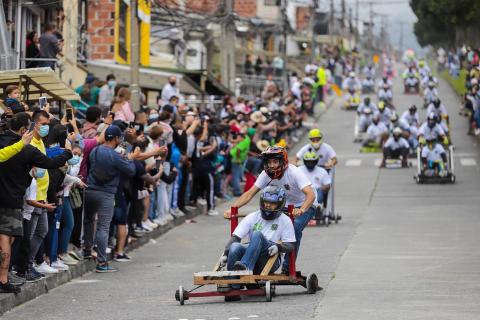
(249, 284)
(326, 214)
(426, 175)
(368, 85)
(411, 84)
(352, 100)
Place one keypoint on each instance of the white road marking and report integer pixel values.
(353, 163)
(377, 162)
(468, 162)
(253, 316)
(414, 162)
(234, 318)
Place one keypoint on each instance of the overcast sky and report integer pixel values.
(398, 11)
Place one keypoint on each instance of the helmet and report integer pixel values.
(366, 100)
(281, 155)
(394, 117)
(436, 102)
(381, 105)
(310, 160)
(367, 111)
(432, 119)
(273, 195)
(376, 118)
(413, 108)
(351, 74)
(315, 134)
(397, 132)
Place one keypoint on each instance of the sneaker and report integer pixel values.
(57, 264)
(477, 132)
(76, 254)
(138, 232)
(176, 213)
(169, 217)
(212, 212)
(67, 259)
(108, 250)
(9, 288)
(122, 257)
(30, 277)
(34, 272)
(151, 224)
(239, 266)
(160, 221)
(16, 279)
(185, 211)
(146, 227)
(190, 208)
(45, 268)
(87, 254)
(202, 202)
(105, 268)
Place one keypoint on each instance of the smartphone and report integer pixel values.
(42, 101)
(69, 112)
(32, 126)
(161, 143)
(158, 162)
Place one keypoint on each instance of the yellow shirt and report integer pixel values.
(42, 183)
(8, 152)
(322, 76)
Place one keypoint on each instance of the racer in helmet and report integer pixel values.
(326, 154)
(384, 112)
(366, 103)
(411, 116)
(395, 147)
(318, 176)
(423, 68)
(278, 172)
(270, 232)
(434, 158)
(377, 132)
(384, 83)
(385, 93)
(365, 119)
(431, 130)
(437, 107)
(429, 81)
(430, 93)
(351, 83)
(369, 71)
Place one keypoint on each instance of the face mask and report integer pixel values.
(316, 145)
(172, 83)
(43, 132)
(40, 172)
(74, 160)
(153, 116)
(112, 83)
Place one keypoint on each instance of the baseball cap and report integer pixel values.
(112, 132)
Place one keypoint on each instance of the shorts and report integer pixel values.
(11, 222)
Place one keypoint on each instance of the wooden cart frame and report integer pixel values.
(262, 284)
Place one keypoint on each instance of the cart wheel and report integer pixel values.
(312, 283)
(325, 221)
(452, 178)
(418, 180)
(180, 295)
(337, 218)
(268, 291)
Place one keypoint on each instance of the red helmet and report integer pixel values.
(278, 153)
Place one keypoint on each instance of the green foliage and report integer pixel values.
(440, 21)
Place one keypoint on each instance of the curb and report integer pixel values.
(31, 291)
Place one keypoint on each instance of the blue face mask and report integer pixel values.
(40, 172)
(112, 83)
(43, 132)
(153, 116)
(74, 160)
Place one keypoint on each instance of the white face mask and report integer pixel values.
(316, 145)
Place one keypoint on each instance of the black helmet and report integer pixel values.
(436, 103)
(412, 109)
(273, 195)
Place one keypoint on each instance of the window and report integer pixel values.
(272, 2)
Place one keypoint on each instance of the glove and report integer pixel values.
(223, 261)
(273, 250)
(421, 140)
(445, 141)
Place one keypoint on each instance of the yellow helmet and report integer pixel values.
(282, 143)
(315, 133)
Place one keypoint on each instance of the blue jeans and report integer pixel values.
(237, 171)
(320, 196)
(66, 227)
(254, 255)
(299, 224)
(51, 240)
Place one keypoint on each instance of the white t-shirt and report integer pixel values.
(324, 153)
(394, 145)
(376, 130)
(292, 181)
(319, 177)
(434, 154)
(430, 133)
(279, 229)
(30, 194)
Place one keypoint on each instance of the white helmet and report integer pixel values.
(351, 74)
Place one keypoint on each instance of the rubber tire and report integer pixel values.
(268, 291)
(180, 294)
(312, 283)
(453, 178)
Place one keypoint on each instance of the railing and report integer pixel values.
(252, 85)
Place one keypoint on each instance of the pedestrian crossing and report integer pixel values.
(369, 162)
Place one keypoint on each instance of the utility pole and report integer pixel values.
(228, 50)
(342, 24)
(312, 26)
(370, 27)
(332, 21)
(284, 49)
(134, 57)
(400, 41)
(357, 34)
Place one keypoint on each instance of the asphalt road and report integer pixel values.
(402, 251)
